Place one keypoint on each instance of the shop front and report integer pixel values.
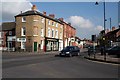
(52, 44)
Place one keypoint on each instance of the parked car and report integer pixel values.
(114, 51)
(70, 51)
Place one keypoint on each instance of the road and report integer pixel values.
(51, 66)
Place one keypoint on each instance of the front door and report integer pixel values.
(51, 46)
(35, 46)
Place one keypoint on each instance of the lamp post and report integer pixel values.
(104, 27)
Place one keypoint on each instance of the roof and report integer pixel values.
(67, 24)
(8, 26)
(34, 12)
(112, 32)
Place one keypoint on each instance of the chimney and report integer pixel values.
(61, 19)
(107, 30)
(34, 7)
(52, 15)
(44, 12)
(113, 28)
(21, 12)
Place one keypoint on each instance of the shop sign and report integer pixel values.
(21, 39)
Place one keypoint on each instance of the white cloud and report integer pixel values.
(85, 28)
(99, 28)
(10, 9)
(79, 21)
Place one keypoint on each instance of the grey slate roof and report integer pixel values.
(8, 26)
(32, 12)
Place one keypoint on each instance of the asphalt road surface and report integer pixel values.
(51, 66)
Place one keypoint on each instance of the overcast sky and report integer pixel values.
(86, 17)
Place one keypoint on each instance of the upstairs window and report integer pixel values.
(52, 32)
(42, 20)
(23, 31)
(10, 33)
(56, 24)
(42, 32)
(49, 31)
(35, 31)
(23, 19)
(60, 35)
(52, 23)
(49, 22)
(56, 33)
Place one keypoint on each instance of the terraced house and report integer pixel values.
(36, 31)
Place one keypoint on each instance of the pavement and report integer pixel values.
(102, 58)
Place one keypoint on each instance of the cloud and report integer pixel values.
(79, 21)
(85, 28)
(99, 28)
(10, 9)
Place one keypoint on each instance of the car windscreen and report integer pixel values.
(68, 48)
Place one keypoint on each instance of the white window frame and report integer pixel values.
(56, 24)
(1, 35)
(22, 46)
(42, 20)
(22, 31)
(60, 35)
(23, 19)
(48, 22)
(10, 32)
(42, 32)
(56, 33)
(52, 23)
(52, 33)
(49, 32)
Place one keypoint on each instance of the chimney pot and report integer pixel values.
(52, 15)
(113, 28)
(44, 12)
(61, 19)
(34, 7)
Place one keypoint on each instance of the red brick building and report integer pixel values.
(69, 33)
(7, 36)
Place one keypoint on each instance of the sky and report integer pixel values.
(86, 17)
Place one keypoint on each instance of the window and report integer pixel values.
(56, 24)
(35, 32)
(22, 45)
(42, 32)
(49, 32)
(56, 33)
(42, 20)
(23, 19)
(52, 23)
(60, 35)
(1, 34)
(52, 32)
(61, 26)
(23, 31)
(10, 32)
(49, 22)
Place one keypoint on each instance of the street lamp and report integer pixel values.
(104, 27)
(104, 13)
